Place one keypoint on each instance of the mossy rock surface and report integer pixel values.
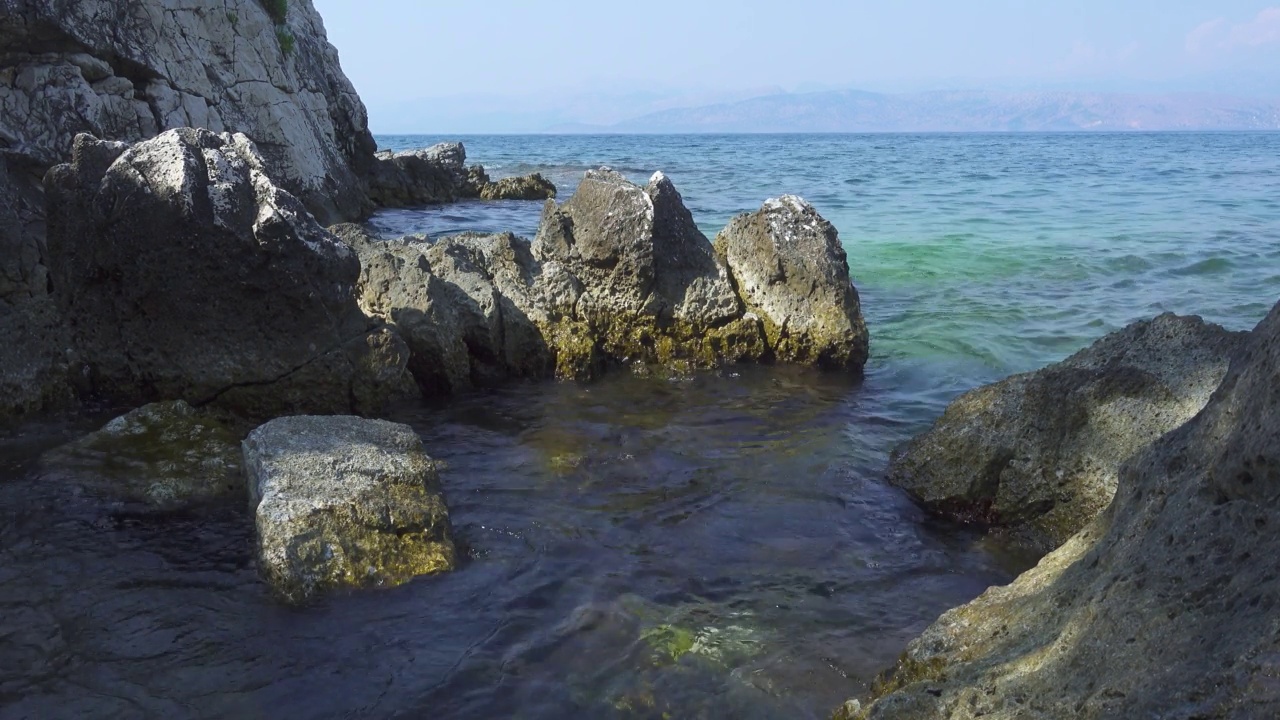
(165, 456)
(344, 502)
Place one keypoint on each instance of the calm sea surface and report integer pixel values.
(722, 546)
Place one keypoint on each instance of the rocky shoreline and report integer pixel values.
(180, 198)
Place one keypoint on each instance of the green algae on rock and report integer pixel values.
(1039, 453)
(1163, 606)
(344, 502)
(166, 456)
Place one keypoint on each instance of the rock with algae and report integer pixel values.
(619, 274)
(791, 270)
(166, 456)
(1166, 605)
(1039, 453)
(344, 502)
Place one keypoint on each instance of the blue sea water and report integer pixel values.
(717, 546)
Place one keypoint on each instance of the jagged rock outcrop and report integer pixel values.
(129, 69)
(1039, 453)
(439, 174)
(1165, 606)
(461, 305)
(618, 274)
(525, 187)
(649, 287)
(183, 272)
(344, 502)
(792, 272)
(165, 456)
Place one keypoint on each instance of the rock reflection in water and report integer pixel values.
(714, 546)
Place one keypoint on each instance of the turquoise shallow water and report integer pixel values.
(722, 546)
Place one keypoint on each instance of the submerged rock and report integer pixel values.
(1163, 606)
(792, 272)
(166, 456)
(184, 272)
(344, 502)
(526, 187)
(1039, 453)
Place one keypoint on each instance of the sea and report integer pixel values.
(716, 546)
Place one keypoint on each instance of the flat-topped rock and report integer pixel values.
(344, 502)
(1039, 454)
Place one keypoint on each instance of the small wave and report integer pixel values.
(1210, 266)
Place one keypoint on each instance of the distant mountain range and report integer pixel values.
(957, 111)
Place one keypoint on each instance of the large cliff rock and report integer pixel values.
(1039, 453)
(130, 69)
(183, 272)
(344, 502)
(1165, 606)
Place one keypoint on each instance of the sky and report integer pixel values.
(429, 66)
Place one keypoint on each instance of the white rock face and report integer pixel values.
(130, 69)
(344, 502)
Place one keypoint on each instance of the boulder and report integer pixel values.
(184, 272)
(652, 289)
(129, 69)
(1164, 606)
(165, 456)
(432, 176)
(460, 303)
(1039, 453)
(526, 187)
(791, 271)
(344, 502)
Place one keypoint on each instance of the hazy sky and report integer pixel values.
(398, 50)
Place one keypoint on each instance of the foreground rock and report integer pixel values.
(1162, 607)
(128, 70)
(1040, 453)
(439, 174)
(344, 502)
(185, 273)
(166, 456)
(792, 272)
(618, 275)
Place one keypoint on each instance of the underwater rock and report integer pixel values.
(791, 271)
(344, 502)
(166, 456)
(1161, 607)
(184, 272)
(1039, 453)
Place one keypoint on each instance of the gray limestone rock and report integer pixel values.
(1039, 453)
(787, 262)
(344, 502)
(184, 272)
(525, 187)
(1164, 606)
(127, 70)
